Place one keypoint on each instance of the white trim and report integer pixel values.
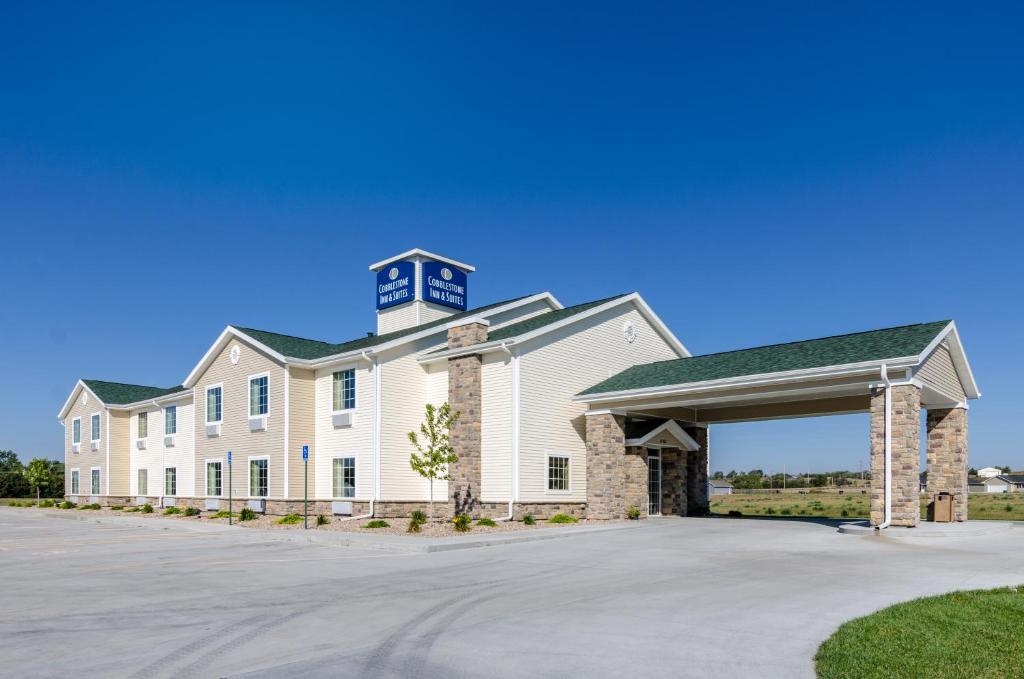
(376, 427)
(99, 428)
(516, 424)
(669, 427)
(468, 321)
(416, 252)
(99, 483)
(107, 444)
(206, 397)
(248, 476)
(79, 420)
(957, 355)
(355, 379)
(168, 398)
(568, 474)
(222, 341)
(71, 481)
(501, 345)
(287, 407)
(71, 398)
(248, 398)
(163, 409)
(223, 468)
(355, 476)
(163, 487)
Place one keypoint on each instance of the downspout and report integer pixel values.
(368, 356)
(514, 479)
(887, 519)
(163, 461)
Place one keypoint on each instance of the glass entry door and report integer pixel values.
(653, 482)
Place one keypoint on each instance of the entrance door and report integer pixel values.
(653, 482)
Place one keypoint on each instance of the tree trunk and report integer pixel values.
(431, 499)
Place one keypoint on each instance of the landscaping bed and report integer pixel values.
(852, 504)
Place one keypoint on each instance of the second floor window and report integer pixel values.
(345, 389)
(258, 396)
(76, 431)
(95, 427)
(143, 425)
(213, 404)
(170, 420)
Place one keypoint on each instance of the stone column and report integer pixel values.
(673, 481)
(947, 457)
(464, 397)
(697, 503)
(906, 465)
(635, 468)
(606, 478)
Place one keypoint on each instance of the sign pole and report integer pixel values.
(229, 487)
(305, 487)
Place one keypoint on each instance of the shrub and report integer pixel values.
(844, 513)
(191, 511)
(529, 520)
(1008, 508)
(116, 508)
(67, 504)
(462, 523)
(94, 505)
(171, 511)
(225, 514)
(290, 519)
(769, 510)
(14, 503)
(322, 520)
(46, 503)
(377, 523)
(487, 522)
(132, 509)
(246, 514)
(632, 512)
(735, 512)
(413, 527)
(786, 511)
(147, 508)
(562, 518)
(419, 517)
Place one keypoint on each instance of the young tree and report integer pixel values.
(39, 472)
(434, 446)
(12, 475)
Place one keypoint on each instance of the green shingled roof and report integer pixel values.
(873, 345)
(116, 393)
(299, 347)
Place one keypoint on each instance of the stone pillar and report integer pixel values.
(697, 503)
(606, 478)
(947, 457)
(906, 465)
(635, 470)
(673, 481)
(464, 397)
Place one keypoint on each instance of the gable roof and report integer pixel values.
(117, 393)
(872, 345)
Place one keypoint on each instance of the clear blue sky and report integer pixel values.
(760, 173)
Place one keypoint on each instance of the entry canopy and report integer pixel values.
(829, 375)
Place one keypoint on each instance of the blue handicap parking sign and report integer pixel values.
(229, 457)
(305, 452)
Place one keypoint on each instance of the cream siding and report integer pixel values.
(87, 458)
(301, 417)
(119, 456)
(396, 318)
(496, 428)
(235, 434)
(938, 371)
(520, 313)
(354, 441)
(156, 457)
(556, 366)
(433, 312)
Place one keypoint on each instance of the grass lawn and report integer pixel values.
(855, 505)
(963, 634)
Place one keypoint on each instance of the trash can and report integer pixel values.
(942, 511)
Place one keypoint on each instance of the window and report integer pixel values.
(213, 487)
(558, 472)
(143, 482)
(76, 430)
(74, 482)
(143, 425)
(95, 481)
(170, 481)
(96, 427)
(257, 396)
(213, 404)
(345, 389)
(344, 477)
(258, 479)
(170, 420)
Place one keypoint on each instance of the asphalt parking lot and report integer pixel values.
(671, 597)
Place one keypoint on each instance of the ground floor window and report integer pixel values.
(558, 472)
(259, 480)
(344, 477)
(74, 482)
(171, 481)
(143, 482)
(95, 482)
(213, 479)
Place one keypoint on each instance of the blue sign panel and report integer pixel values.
(229, 457)
(444, 284)
(305, 452)
(395, 284)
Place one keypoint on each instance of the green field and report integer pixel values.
(855, 505)
(961, 635)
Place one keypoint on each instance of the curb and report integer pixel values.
(969, 529)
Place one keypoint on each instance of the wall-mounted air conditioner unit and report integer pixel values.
(341, 508)
(93, 499)
(76, 447)
(73, 498)
(258, 423)
(141, 500)
(345, 419)
(257, 505)
(211, 504)
(169, 441)
(140, 444)
(168, 502)
(95, 446)
(213, 429)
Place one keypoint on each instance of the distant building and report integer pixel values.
(989, 472)
(998, 484)
(1016, 479)
(719, 487)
